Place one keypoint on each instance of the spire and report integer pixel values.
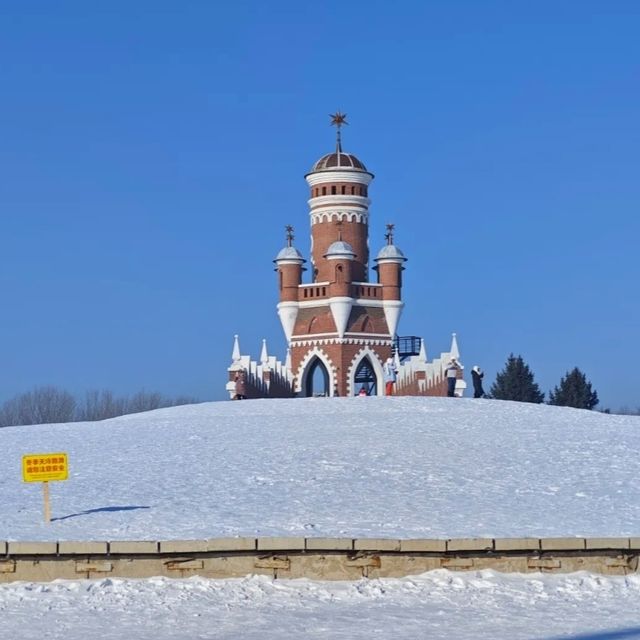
(389, 235)
(264, 356)
(235, 354)
(338, 119)
(455, 353)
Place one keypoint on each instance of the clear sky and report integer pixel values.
(152, 152)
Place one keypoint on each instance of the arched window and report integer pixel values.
(367, 327)
(365, 378)
(333, 190)
(339, 274)
(343, 189)
(280, 273)
(312, 324)
(324, 191)
(317, 379)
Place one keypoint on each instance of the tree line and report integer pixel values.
(516, 382)
(49, 404)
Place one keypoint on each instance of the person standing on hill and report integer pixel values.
(241, 385)
(390, 375)
(477, 374)
(452, 375)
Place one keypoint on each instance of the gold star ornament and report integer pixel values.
(338, 119)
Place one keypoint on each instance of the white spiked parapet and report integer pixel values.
(288, 313)
(392, 311)
(341, 310)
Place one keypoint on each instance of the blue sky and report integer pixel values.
(152, 152)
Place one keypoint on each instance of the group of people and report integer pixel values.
(390, 375)
(451, 372)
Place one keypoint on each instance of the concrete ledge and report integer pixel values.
(133, 546)
(231, 544)
(423, 544)
(517, 544)
(183, 546)
(82, 548)
(607, 543)
(3, 548)
(470, 544)
(376, 544)
(329, 544)
(32, 548)
(280, 544)
(562, 544)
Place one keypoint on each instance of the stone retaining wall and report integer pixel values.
(313, 558)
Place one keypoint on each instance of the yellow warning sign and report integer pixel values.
(43, 467)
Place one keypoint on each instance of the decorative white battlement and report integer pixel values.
(269, 378)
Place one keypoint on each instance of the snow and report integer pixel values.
(435, 605)
(374, 467)
(355, 467)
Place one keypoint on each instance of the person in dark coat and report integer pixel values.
(477, 374)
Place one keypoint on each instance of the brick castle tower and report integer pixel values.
(341, 327)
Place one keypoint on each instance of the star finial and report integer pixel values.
(289, 230)
(389, 235)
(338, 119)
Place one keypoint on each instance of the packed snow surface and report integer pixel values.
(397, 467)
(355, 467)
(435, 605)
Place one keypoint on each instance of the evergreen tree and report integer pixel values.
(515, 382)
(574, 391)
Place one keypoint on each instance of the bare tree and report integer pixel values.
(100, 405)
(43, 405)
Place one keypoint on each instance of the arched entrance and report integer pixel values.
(317, 379)
(365, 378)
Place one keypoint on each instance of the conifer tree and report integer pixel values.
(574, 391)
(515, 382)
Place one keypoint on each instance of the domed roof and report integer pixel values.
(338, 160)
(340, 249)
(390, 251)
(289, 253)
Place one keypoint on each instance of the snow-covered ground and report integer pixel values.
(437, 605)
(383, 467)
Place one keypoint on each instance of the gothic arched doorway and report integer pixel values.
(365, 378)
(317, 379)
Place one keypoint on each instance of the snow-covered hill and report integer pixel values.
(382, 467)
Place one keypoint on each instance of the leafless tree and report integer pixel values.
(43, 405)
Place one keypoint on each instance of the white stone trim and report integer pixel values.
(357, 334)
(339, 201)
(365, 352)
(288, 313)
(301, 374)
(354, 175)
(299, 342)
(329, 215)
(357, 302)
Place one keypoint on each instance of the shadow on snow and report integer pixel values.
(100, 510)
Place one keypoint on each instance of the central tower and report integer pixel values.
(340, 327)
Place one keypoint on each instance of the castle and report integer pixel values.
(341, 327)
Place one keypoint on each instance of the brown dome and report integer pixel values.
(338, 160)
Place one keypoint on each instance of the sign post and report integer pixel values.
(43, 467)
